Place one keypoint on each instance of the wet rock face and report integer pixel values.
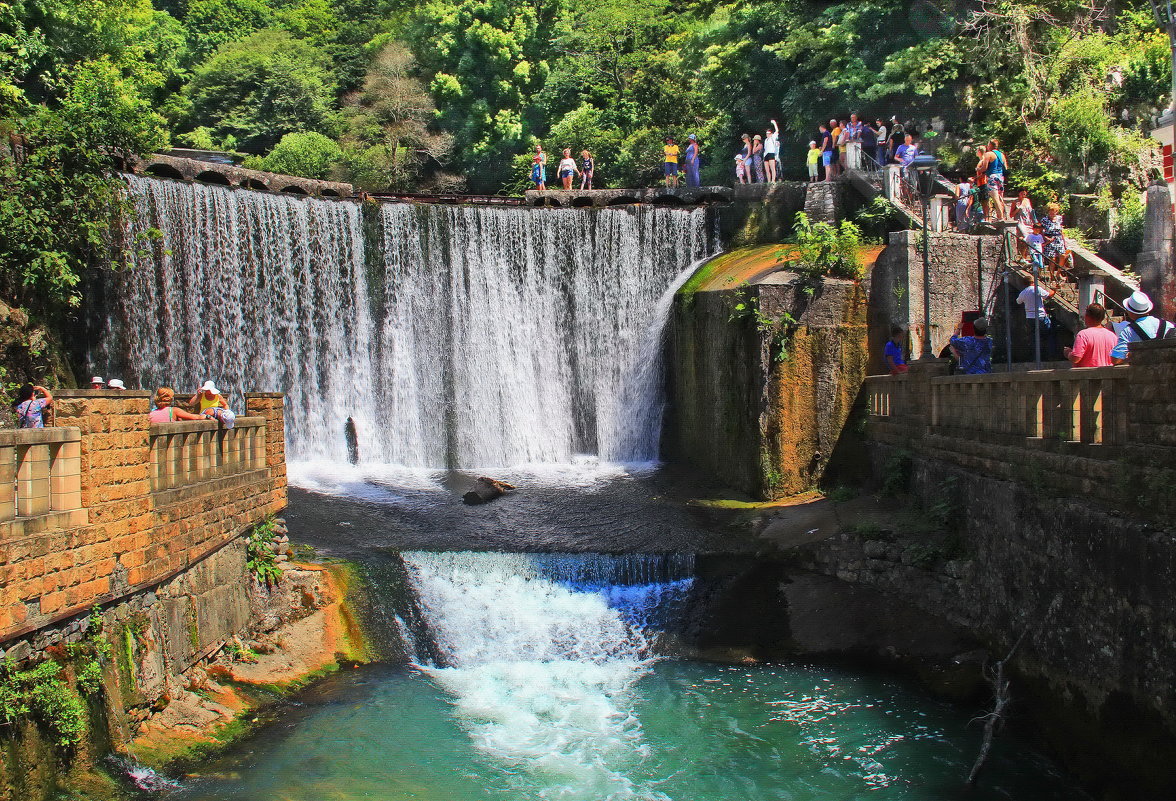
(1096, 672)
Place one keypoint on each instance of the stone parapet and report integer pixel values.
(1106, 433)
(115, 519)
(161, 165)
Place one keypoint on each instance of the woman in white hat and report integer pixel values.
(116, 383)
(208, 397)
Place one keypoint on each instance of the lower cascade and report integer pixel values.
(457, 337)
(541, 661)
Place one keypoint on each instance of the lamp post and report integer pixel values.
(1166, 19)
(925, 167)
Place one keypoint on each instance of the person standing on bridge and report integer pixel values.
(670, 163)
(567, 169)
(757, 159)
(693, 162)
(994, 166)
(587, 165)
(771, 152)
(539, 168)
(812, 160)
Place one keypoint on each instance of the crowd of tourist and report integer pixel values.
(1099, 344)
(207, 404)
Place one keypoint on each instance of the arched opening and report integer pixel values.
(548, 200)
(164, 171)
(330, 193)
(256, 183)
(294, 189)
(714, 197)
(213, 177)
(582, 202)
(624, 200)
(668, 200)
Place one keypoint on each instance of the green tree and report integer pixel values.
(60, 196)
(261, 88)
(387, 139)
(308, 154)
(213, 23)
(487, 62)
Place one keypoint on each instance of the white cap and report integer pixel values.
(97, 380)
(210, 387)
(1138, 303)
(116, 383)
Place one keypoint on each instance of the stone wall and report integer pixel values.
(762, 413)
(962, 270)
(133, 538)
(164, 166)
(1055, 489)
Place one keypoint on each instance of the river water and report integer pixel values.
(549, 633)
(544, 681)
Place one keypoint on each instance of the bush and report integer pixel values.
(308, 154)
(827, 250)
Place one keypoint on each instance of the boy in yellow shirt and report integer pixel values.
(670, 165)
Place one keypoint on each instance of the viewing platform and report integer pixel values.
(1077, 432)
(103, 504)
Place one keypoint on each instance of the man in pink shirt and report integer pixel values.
(1094, 343)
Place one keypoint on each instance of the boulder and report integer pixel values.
(487, 489)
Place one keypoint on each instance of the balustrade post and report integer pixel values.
(65, 477)
(32, 480)
(7, 482)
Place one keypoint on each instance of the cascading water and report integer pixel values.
(541, 653)
(473, 337)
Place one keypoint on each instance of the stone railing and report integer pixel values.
(40, 480)
(1072, 430)
(107, 504)
(192, 451)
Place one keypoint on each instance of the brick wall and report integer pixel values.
(134, 538)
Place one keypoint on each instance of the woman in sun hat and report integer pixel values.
(116, 383)
(214, 405)
(208, 397)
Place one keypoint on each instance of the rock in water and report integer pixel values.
(486, 489)
(352, 441)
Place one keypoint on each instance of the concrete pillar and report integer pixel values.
(7, 482)
(853, 155)
(65, 477)
(1091, 289)
(1154, 263)
(892, 178)
(938, 216)
(32, 480)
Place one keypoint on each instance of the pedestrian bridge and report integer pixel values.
(657, 196)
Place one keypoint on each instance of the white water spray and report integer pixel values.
(542, 673)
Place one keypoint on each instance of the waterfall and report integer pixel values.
(542, 667)
(457, 337)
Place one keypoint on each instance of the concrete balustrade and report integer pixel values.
(103, 504)
(1068, 429)
(40, 480)
(189, 452)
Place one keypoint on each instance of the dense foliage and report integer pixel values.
(449, 94)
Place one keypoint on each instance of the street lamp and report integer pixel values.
(925, 167)
(1166, 19)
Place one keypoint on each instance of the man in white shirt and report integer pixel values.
(1033, 310)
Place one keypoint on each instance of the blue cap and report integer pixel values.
(692, 136)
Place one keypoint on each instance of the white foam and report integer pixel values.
(541, 675)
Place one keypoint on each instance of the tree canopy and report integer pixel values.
(451, 94)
